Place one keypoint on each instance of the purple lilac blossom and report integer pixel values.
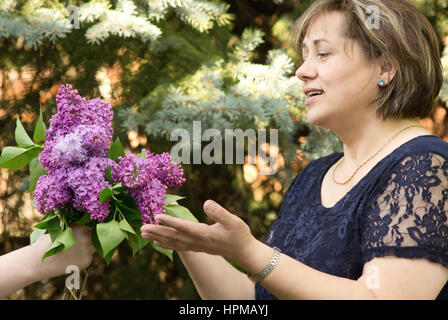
(87, 182)
(71, 107)
(74, 155)
(90, 120)
(94, 139)
(147, 180)
(132, 171)
(75, 148)
(150, 200)
(68, 151)
(52, 191)
(99, 113)
(74, 110)
(168, 172)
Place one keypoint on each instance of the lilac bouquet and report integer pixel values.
(79, 177)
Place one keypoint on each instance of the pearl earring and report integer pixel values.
(382, 83)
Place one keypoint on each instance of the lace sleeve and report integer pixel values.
(409, 218)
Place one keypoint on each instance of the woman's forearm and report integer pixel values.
(16, 271)
(291, 279)
(24, 266)
(215, 278)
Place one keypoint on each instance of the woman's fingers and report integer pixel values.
(184, 226)
(164, 234)
(219, 214)
(163, 245)
(184, 235)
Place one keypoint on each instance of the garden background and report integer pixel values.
(163, 64)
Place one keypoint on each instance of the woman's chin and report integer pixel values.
(315, 118)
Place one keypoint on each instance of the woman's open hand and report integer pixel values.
(229, 237)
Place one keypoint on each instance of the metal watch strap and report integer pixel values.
(263, 274)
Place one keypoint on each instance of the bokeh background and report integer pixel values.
(163, 64)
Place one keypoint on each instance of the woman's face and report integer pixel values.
(348, 81)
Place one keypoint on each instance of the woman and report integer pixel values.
(24, 266)
(368, 223)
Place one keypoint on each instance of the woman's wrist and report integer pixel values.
(33, 270)
(255, 257)
(39, 270)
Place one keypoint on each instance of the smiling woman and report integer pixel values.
(403, 41)
(367, 223)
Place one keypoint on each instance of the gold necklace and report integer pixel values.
(337, 165)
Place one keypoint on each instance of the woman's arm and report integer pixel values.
(15, 271)
(24, 266)
(215, 278)
(383, 278)
(397, 278)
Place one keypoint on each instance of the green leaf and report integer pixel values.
(67, 237)
(53, 224)
(170, 198)
(21, 136)
(85, 219)
(48, 216)
(105, 194)
(137, 242)
(142, 154)
(54, 233)
(63, 241)
(96, 242)
(110, 235)
(136, 225)
(108, 175)
(167, 252)
(124, 225)
(40, 129)
(118, 188)
(50, 222)
(55, 248)
(116, 150)
(129, 213)
(36, 234)
(179, 212)
(128, 201)
(108, 257)
(36, 170)
(16, 158)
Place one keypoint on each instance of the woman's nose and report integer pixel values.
(306, 71)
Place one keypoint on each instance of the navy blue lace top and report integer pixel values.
(399, 208)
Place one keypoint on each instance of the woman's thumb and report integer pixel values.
(218, 213)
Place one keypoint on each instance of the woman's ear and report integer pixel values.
(387, 70)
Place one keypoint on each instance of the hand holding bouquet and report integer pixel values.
(79, 178)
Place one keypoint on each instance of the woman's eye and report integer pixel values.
(319, 55)
(323, 54)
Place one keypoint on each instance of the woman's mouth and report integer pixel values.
(313, 97)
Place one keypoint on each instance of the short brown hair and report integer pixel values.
(405, 39)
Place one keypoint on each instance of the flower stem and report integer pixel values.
(84, 284)
(73, 294)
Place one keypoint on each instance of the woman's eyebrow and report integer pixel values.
(315, 42)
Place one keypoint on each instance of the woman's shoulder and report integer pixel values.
(427, 147)
(421, 160)
(428, 143)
